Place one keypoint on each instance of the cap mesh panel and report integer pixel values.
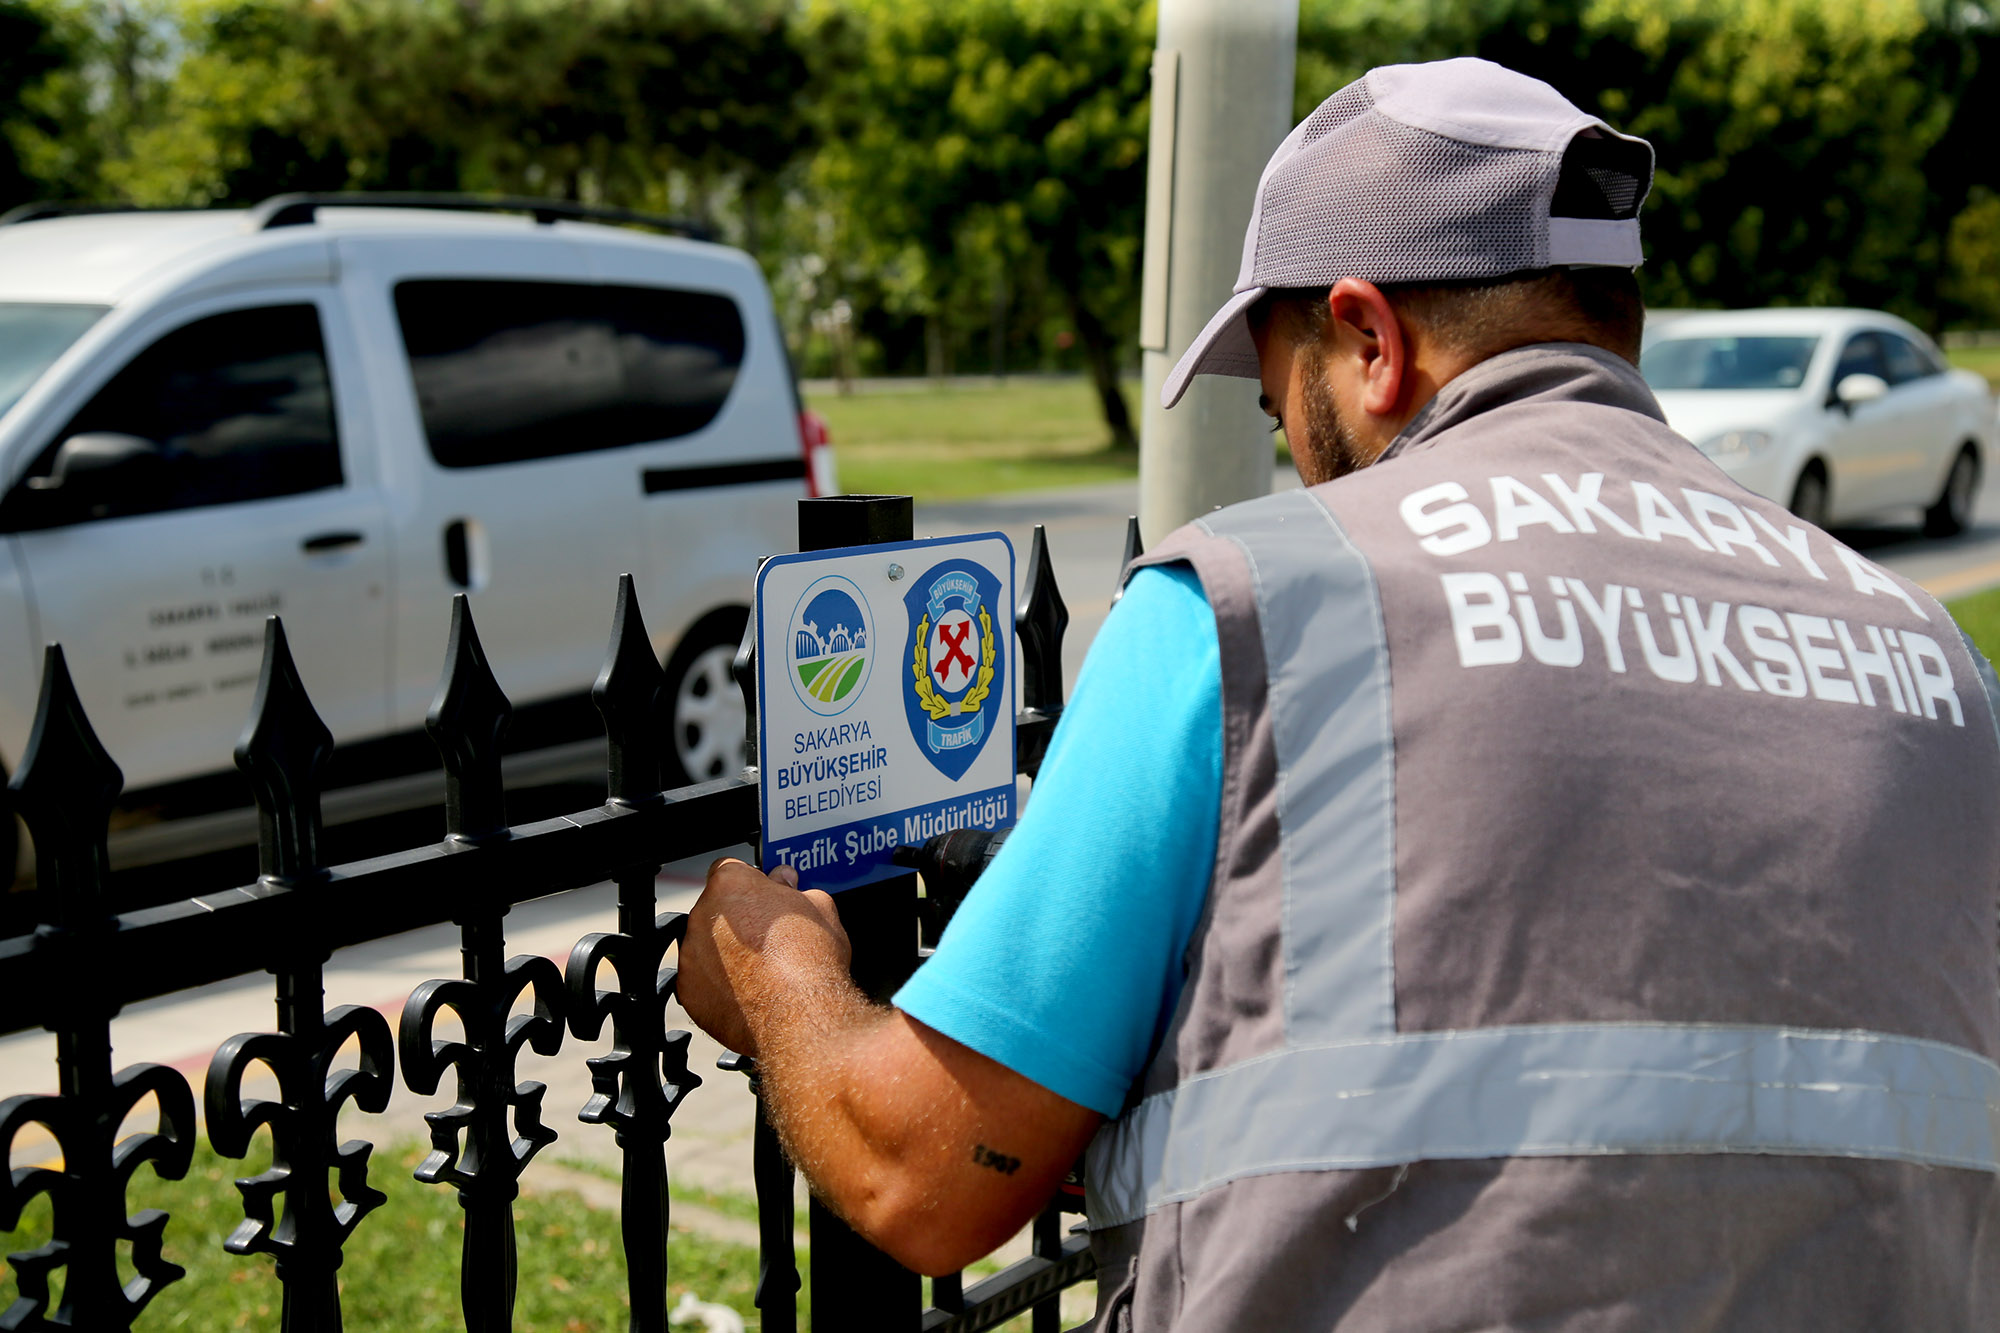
(1621, 190)
(1379, 200)
(1334, 112)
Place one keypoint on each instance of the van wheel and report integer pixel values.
(1810, 496)
(706, 716)
(1952, 514)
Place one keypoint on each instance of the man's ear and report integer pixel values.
(1370, 338)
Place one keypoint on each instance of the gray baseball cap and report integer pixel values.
(1422, 173)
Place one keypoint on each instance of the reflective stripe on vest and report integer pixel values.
(1562, 1090)
(1336, 751)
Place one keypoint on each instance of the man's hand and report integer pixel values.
(931, 1150)
(753, 941)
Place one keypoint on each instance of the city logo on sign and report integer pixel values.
(956, 664)
(830, 642)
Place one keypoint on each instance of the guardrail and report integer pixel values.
(84, 962)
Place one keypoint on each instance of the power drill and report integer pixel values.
(951, 863)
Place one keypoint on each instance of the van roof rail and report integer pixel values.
(299, 210)
(46, 208)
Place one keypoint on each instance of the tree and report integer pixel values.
(29, 52)
(1811, 152)
(626, 101)
(963, 137)
(692, 106)
(103, 83)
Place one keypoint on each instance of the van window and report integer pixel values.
(236, 407)
(508, 371)
(32, 336)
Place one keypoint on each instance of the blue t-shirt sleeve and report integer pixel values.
(1066, 960)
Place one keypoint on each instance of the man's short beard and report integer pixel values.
(1323, 446)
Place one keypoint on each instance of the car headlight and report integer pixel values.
(1736, 446)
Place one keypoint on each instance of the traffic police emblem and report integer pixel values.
(956, 676)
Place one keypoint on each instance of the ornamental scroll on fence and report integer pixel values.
(84, 962)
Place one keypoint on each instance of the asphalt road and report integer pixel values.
(710, 1148)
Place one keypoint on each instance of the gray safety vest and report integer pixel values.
(1602, 932)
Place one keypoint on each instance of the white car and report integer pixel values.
(1838, 414)
(346, 414)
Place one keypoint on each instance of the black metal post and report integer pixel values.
(1047, 1243)
(850, 1276)
(776, 1297)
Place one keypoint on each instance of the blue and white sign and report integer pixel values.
(859, 756)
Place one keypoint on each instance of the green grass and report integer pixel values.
(1979, 616)
(724, 1203)
(401, 1272)
(943, 442)
(1985, 360)
(402, 1263)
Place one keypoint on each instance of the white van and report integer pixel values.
(344, 409)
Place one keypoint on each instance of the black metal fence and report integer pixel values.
(85, 961)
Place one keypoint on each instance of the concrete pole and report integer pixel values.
(1222, 101)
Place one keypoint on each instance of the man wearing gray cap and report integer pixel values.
(1523, 879)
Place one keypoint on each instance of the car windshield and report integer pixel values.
(32, 336)
(1727, 363)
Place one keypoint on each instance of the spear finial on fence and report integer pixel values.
(467, 720)
(65, 791)
(284, 752)
(627, 693)
(1134, 548)
(1040, 620)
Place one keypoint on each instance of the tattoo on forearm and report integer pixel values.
(997, 1161)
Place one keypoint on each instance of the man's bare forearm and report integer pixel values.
(934, 1152)
(832, 1093)
(899, 1130)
